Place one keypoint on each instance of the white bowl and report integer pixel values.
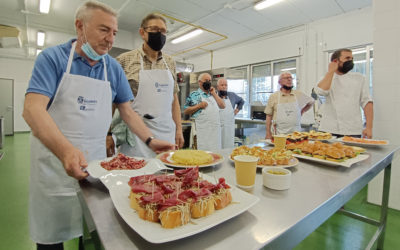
(276, 181)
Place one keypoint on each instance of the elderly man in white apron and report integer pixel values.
(204, 105)
(226, 115)
(285, 108)
(72, 129)
(151, 76)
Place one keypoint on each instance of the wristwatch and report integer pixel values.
(148, 140)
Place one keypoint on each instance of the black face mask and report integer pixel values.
(347, 66)
(222, 93)
(206, 85)
(287, 87)
(156, 40)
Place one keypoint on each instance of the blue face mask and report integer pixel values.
(90, 52)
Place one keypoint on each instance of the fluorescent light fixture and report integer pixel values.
(44, 6)
(187, 36)
(40, 38)
(265, 4)
(288, 69)
(38, 51)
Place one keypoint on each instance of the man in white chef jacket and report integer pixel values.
(151, 75)
(345, 93)
(233, 104)
(203, 105)
(68, 107)
(285, 108)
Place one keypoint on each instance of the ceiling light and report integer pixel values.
(40, 38)
(38, 51)
(288, 69)
(44, 6)
(187, 36)
(265, 4)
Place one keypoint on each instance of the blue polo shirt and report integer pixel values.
(51, 65)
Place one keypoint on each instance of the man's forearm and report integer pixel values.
(43, 126)
(176, 113)
(191, 110)
(369, 115)
(268, 123)
(134, 121)
(326, 82)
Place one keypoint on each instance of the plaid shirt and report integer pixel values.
(130, 62)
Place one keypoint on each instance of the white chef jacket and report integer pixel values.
(341, 112)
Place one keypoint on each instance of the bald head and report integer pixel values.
(204, 77)
(222, 84)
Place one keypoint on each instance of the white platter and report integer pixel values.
(333, 139)
(292, 163)
(363, 144)
(154, 233)
(347, 163)
(166, 159)
(152, 166)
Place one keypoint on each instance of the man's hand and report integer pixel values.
(333, 66)
(160, 146)
(268, 136)
(179, 140)
(212, 91)
(367, 133)
(236, 111)
(73, 161)
(110, 146)
(203, 104)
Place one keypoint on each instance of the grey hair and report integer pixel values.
(202, 75)
(284, 73)
(220, 80)
(84, 11)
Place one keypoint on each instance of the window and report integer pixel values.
(256, 88)
(238, 83)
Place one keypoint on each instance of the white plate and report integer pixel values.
(346, 163)
(292, 163)
(154, 233)
(267, 141)
(363, 144)
(152, 166)
(166, 159)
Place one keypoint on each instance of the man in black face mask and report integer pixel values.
(345, 93)
(285, 108)
(152, 77)
(203, 106)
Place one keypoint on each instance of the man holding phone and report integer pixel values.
(345, 93)
(203, 105)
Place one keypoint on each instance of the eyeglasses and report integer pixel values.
(155, 29)
(287, 78)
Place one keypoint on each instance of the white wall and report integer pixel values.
(20, 71)
(387, 91)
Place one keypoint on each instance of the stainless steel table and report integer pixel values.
(281, 219)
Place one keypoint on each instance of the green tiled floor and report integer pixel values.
(339, 232)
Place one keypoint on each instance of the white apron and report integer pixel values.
(154, 97)
(81, 110)
(208, 126)
(288, 116)
(227, 118)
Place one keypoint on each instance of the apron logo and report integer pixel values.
(161, 87)
(86, 102)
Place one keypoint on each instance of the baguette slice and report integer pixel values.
(149, 213)
(202, 207)
(175, 216)
(222, 198)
